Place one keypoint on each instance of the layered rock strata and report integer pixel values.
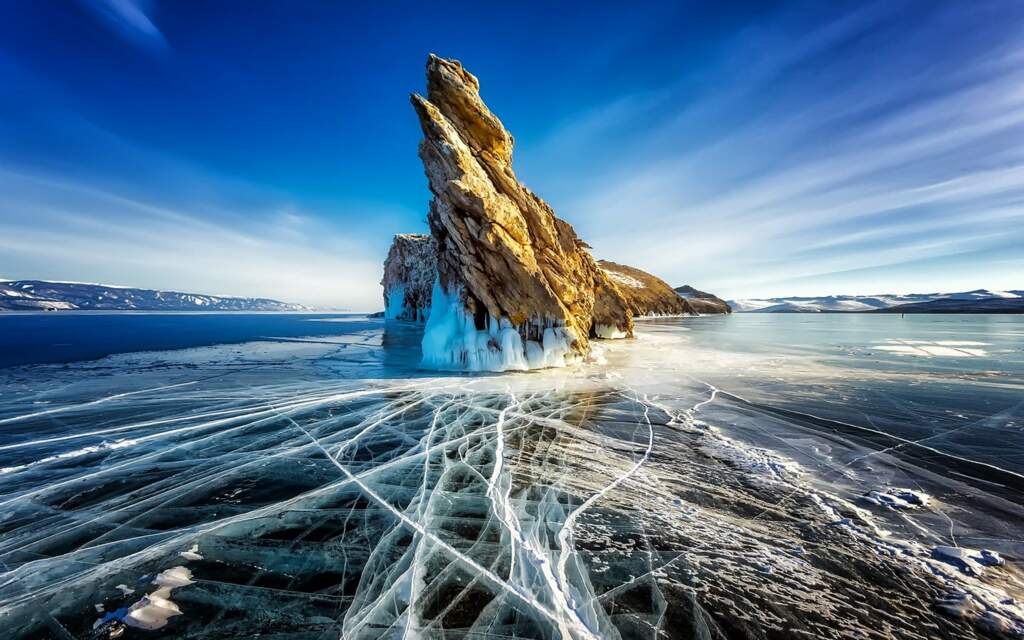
(515, 287)
(409, 274)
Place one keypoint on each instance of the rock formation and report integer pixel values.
(516, 288)
(647, 295)
(702, 302)
(409, 274)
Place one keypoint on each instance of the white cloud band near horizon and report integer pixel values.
(51, 230)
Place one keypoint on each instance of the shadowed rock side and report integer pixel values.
(647, 295)
(516, 287)
(409, 273)
(703, 302)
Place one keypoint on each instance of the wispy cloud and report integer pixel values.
(809, 149)
(847, 147)
(129, 19)
(53, 228)
(91, 204)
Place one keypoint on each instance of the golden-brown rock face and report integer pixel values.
(504, 260)
(702, 302)
(646, 295)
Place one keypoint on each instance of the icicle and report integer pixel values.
(452, 341)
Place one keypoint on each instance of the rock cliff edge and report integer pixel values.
(409, 273)
(515, 287)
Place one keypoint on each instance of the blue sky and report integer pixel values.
(759, 149)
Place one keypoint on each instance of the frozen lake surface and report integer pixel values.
(297, 476)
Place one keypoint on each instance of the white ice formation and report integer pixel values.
(452, 340)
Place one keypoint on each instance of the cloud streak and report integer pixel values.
(52, 227)
(754, 152)
(868, 140)
(130, 20)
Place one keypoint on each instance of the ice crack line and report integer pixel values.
(502, 498)
(412, 621)
(573, 630)
(565, 534)
(901, 440)
(116, 396)
(569, 623)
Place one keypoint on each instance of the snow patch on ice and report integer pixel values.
(77, 453)
(970, 561)
(945, 348)
(762, 467)
(895, 498)
(155, 609)
(958, 568)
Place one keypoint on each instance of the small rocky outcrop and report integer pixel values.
(516, 288)
(409, 273)
(646, 295)
(702, 302)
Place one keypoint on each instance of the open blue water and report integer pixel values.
(33, 338)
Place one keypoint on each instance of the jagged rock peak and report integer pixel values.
(409, 273)
(516, 287)
(456, 93)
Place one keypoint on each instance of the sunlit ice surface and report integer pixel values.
(747, 476)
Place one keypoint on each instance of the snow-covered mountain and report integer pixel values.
(817, 304)
(41, 295)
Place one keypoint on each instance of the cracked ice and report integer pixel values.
(620, 499)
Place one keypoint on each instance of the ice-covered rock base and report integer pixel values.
(607, 332)
(452, 340)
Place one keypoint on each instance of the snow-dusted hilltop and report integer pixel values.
(409, 274)
(516, 288)
(647, 295)
(41, 295)
(703, 302)
(979, 300)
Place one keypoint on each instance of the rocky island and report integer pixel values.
(650, 296)
(409, 274)
(511, 285)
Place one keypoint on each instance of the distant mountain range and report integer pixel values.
(977, 301)
(41, 295)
